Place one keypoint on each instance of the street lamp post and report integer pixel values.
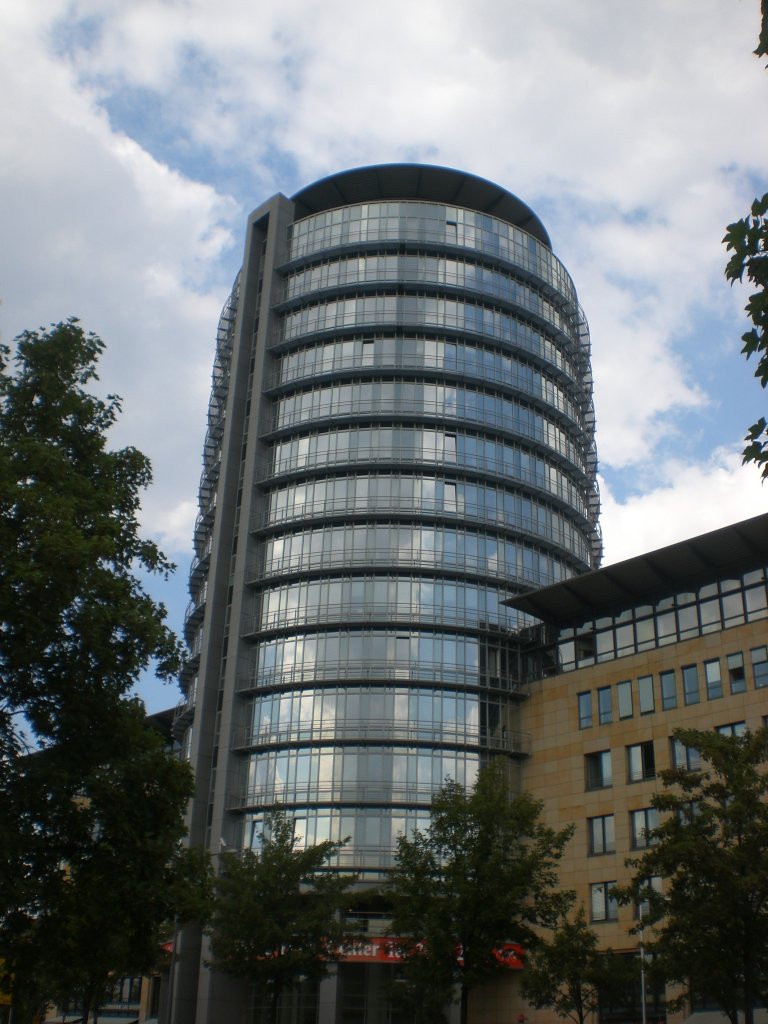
(644, 1009)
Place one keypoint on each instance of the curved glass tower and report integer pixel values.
(400, 436)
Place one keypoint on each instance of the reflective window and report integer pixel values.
(685, 757)
(668, 690)
(602, 901)
(759, 657)
(585, 710)
(359, 774)
(624, 695)
(601, 834)
(652, 885)
(406, 598)
(604, 705)
(756, 601)
(670, 620)
(425, 398)
(736, 675)
(447, 355)
(424, 445)
(641, 761)
(372, 831)
(598, 770)
(381, 655)
(430, 222)
(394, 544)
(690, 684)
(732, 729)
(397, 713)
(645, 693)
(641, 824)
(713, 678)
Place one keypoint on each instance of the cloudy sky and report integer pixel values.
(136, 135)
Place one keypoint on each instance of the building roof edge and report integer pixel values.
(419, 181)
(687, 563)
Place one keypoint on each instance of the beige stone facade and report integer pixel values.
(556, 771)
(600, 732)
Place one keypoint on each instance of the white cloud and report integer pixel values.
(688, 500)
(625, 121)
(97, 227)
(139, 133)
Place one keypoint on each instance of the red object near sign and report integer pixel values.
(384, 950)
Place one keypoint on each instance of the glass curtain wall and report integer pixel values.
(428, 447)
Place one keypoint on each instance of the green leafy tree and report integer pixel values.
(77, 628)
(76, 621)
(277, 912)
(568, 972)
(103, 901)
(125, 874)
(483, 874)
(711, 851)
(747, 240)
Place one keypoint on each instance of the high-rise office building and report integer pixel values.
(400, 436)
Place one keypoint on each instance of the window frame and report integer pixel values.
(636, 840)
(647, 761)
(691, 690)
(584, 702)
(668, 694)
(600, 898)
(624, 699)
(598, 778)
(602, 826)
(737, 673)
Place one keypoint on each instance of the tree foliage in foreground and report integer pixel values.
(77, 624)
(747, 240)
(483, 874)
(91, 803)
(711, 923)
(567, 972)
(277, 912)
(122, 877)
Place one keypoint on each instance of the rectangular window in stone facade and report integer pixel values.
(736, 675)
(604, 705)
(641, 762)
(645, 692)
(601, 834)
(685, 757)
(641, 824)
(603, 904)
(624, 694)
(598, 770)
(714, 679)
(760, 666)
(691, 684)
(668, 690)
(732, 729)
(585, 710)
(652, 885)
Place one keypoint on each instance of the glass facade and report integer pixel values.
(682, 615)
(401, 434)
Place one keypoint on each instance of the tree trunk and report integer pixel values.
(750, 989)
(464, 1004)
(749, 1007)
(23, 1010)
(86, 1007)
(274, 1004)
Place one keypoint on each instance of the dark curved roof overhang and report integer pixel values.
(687, 564)
(419, 181)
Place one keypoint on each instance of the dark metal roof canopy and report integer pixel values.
(419, 181)
(687, 564)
